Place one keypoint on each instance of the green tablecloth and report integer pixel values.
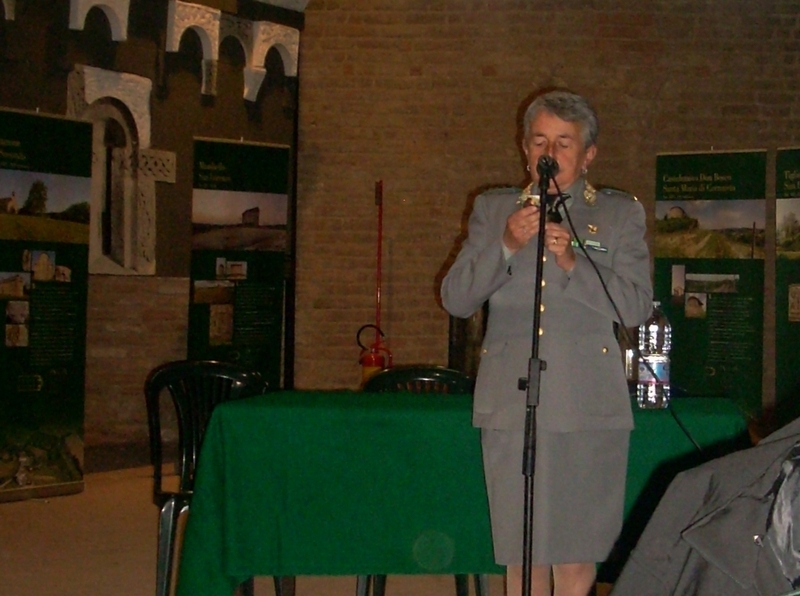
(328, 483)
(345, 483)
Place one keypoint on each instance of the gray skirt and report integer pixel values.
(579, 494)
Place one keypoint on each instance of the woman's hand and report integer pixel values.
(521, 226)
(558, 241)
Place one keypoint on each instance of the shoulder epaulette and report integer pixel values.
(615, 192)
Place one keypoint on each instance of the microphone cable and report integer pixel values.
(561, 201)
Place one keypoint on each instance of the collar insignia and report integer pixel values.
(589, 194)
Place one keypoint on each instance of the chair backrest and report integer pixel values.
(420, 379)
(196, 386)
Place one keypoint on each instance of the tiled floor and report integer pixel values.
(102, 541)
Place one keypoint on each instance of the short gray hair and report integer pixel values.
(568, 106)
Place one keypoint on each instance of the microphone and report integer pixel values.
(547, 167)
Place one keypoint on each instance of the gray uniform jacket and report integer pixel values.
(584, 386)
(710, 536)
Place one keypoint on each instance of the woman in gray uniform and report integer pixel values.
(584, 417)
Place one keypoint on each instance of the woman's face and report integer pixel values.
(562, 140)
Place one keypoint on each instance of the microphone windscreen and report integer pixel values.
(547, 166)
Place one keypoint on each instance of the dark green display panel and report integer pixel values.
(787, 284)
(243, 167)
(251, 310)
(46, 144)
(45, 169)
(787, 174)
(716, 353)
(239, 254)
(711, 176)
(709, 249)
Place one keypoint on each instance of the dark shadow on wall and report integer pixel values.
(96, 42)
(465, 335)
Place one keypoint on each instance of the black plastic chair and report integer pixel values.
(196, 387)
(422, 379)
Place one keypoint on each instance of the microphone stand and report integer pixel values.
(531, 386)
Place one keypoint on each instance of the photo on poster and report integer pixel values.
(712, 283)
(233, 220)
(17, 312)
(44, 207)
(15, 284)
(219, 267)
(696, 305)
(794, 303)
(63, 274)
(220, 325)
(678, 283)
(787, 234)
(236, 269)
(16, 336)
(733, 229)
(213, 292)
(43, 265)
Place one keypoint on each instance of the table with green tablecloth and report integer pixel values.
(348, 483)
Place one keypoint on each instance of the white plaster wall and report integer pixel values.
(256, 38)
(8, 6)
(132, 90)
(116, 12)
(285, 39)
(203, 20)
(242, 30)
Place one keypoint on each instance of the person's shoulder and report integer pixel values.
(501, 191)
(609, 192)
(498, 196)
(618, 200)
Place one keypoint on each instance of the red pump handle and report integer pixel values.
(378, 334)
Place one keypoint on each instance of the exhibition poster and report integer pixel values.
(709, 271)
(787, 281)
(45, 174)
(239, 254)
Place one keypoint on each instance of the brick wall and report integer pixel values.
(426, 95)
(133, 325)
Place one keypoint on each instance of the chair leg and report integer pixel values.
(379, 585)
(167, 528)
(481, 584)
(462, 585)
(362, 585)
(247, 588)
(285, 585)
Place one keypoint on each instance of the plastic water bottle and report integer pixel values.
(655, 341)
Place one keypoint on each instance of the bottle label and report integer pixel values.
(660, 367)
